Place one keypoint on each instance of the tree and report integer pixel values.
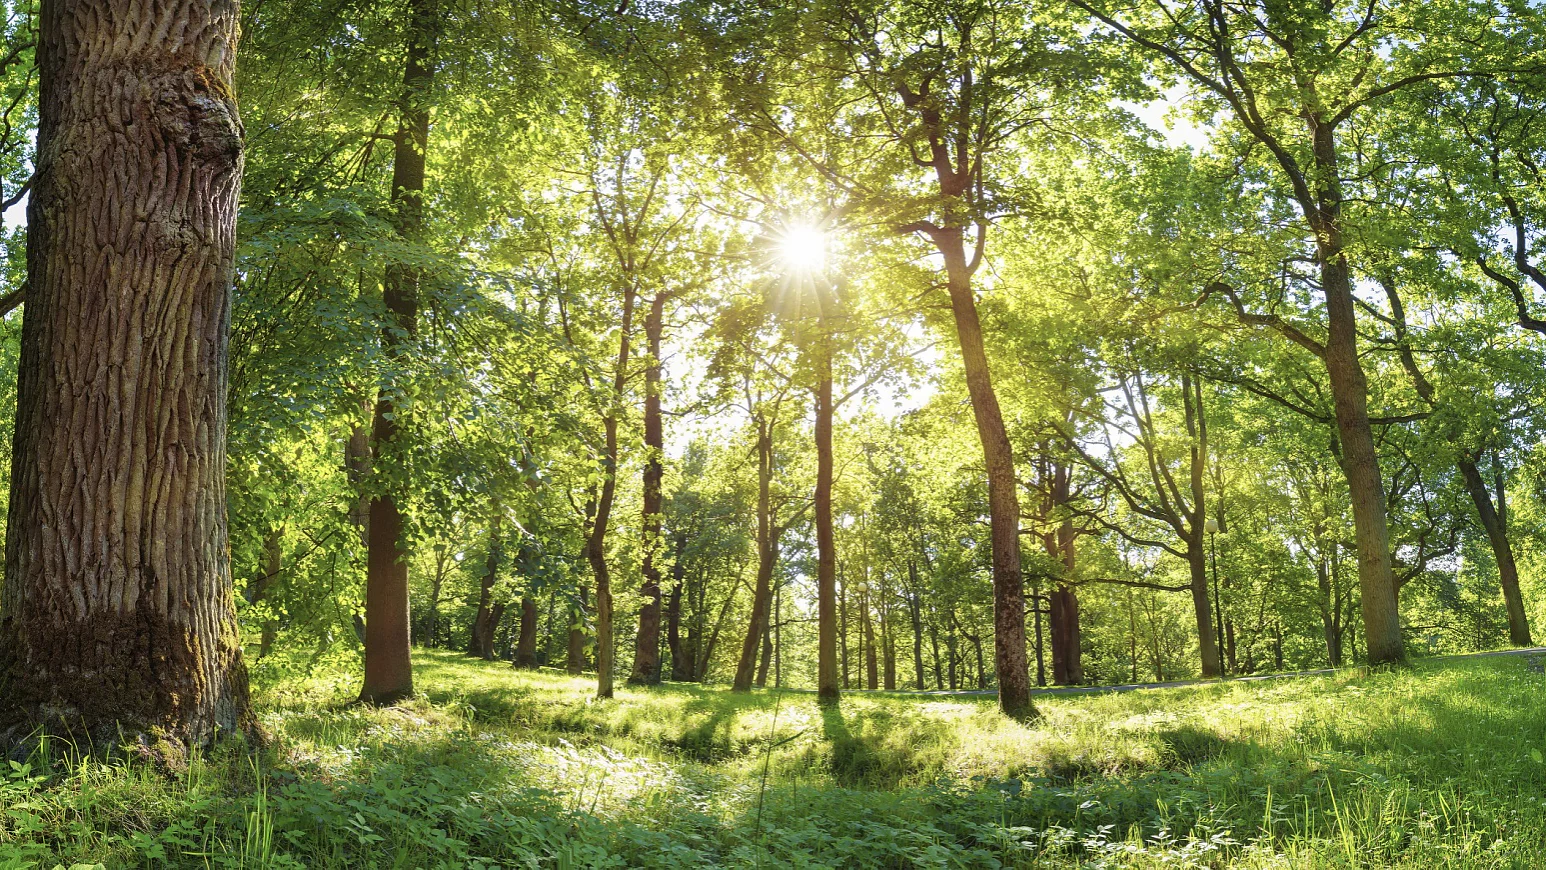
(1293, 78)
(117, 614)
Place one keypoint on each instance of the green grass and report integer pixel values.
(1435, 766)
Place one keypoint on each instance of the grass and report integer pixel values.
(1439, 765)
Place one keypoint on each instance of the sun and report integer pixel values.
(803, 248)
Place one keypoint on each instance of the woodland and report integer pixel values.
(853, 433)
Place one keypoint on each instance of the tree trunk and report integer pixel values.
(827, 681)
(767, 555)
(357, 468)
(871, 675)
(701, 669)
(273, 566)
(388, 666)
(939, 674)
(116, 616)
(1202, 607)
(575, 663)
(526, 645)
(915, 607)
(1014, 685)
(480, 641)
(1350, 398)
(1493, 522)
(767, 658)
(646, 658)
(681, 666)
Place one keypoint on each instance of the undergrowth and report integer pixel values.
(1439, 765)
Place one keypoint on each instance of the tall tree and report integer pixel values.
(116, 615)
(388, 665)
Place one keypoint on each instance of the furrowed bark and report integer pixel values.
(116, 612)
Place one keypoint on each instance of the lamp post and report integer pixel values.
(1212, 528)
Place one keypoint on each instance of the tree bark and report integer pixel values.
(827, 680)
(526, 644)
(116, 610)
(273, 566)
(1350, 398)
(646, 658)
(767, 557)
(388, 665)
(1495, 524)
(575, 663)
(1202, 607)
(480, 641)
(1014, 684)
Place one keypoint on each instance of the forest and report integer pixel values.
(819, 433)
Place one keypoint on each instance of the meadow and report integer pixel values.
(1437, 765)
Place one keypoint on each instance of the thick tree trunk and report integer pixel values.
(116, 614)
(646, 658)
(526, 644)
(1202, 607)
(388, 665)
(1493, 521)
(827, 681)
(767, 556)
(1014, 684)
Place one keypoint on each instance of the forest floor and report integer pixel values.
(1437, 765)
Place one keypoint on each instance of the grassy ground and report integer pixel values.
(1439, 765)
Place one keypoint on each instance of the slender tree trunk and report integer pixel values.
(767, 555)
(388, 666)
(939, 674)
(871, 675)
(1014, 685)
(1493, 522)
(273, 566)
(116, 613)
(480, 641)
(767, 658)
(646, 657)
(701, 669)
(827, 681)
(575, 663)
(915, 607)
(1229, 645)
(526, 645)
(357, 467)
(681, 658)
